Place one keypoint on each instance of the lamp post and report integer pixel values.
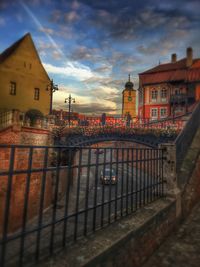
(52, 88)
(69, 100)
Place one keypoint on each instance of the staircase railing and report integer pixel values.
(184, 139)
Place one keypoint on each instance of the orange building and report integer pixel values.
(169, 89)
(129, 100)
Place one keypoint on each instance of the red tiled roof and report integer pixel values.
(171, 72)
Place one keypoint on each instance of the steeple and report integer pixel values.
(129, 84)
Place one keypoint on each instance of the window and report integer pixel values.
(176, 91)
(12, 88)
(154, 113)
(163, 112)
(37, 94)
(163, 94)
(154, 95)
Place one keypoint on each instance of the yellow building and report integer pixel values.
(23, 79)
(129, 100)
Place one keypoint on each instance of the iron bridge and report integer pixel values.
(148, 139)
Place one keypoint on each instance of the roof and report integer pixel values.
(6, 53)
(172, 72)
(10, 50)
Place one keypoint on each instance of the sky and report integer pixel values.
(88, 47)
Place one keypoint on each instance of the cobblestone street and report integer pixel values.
(182, 248)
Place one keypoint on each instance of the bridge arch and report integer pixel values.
(148, 140)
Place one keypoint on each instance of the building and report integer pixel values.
(63, 117)
(129, 100)
(169, 89)
(24, 83)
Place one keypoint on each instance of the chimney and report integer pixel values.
(189, 57)
(173, 58)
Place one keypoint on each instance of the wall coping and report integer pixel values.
(93, 248)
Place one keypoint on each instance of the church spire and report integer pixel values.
(129, 84)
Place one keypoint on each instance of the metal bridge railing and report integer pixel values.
(52, 196)
(184, 139)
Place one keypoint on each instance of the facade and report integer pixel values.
(23, 79)
(168, 90)
(129, 100)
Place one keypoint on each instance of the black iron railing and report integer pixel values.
(52, 196)
(178, 98)
(185, 137)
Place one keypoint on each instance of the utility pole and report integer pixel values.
(69, 100)
(52, 88)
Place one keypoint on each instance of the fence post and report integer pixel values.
(170, 175)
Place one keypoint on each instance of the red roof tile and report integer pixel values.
(171, 72)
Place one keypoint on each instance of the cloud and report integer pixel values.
(46, 30)
(70, 69)
(85, 53)
(166, 43)
(48, 49)
(75, 5)
(94, 108)
(71, 17)
(55, 15)
(2, 22)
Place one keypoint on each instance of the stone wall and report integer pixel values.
(189, 176)
(128, 242)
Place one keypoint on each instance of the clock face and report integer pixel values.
(129, 98)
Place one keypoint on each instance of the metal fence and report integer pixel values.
(52, 196)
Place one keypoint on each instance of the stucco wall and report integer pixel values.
(25, 69)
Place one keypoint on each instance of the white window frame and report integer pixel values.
(163, 116)
(154, 117)
(163, 96)
(154, 95)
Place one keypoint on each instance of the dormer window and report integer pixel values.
(13, 87)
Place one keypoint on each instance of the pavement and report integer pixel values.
(182, 248)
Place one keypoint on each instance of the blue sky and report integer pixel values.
(90, 46)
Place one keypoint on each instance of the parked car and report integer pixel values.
(108, 176)
(98, 151)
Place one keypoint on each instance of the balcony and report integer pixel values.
(178, 99)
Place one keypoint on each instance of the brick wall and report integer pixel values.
(25, 136)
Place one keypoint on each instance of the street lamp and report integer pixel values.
(69, 100)
(52, 88)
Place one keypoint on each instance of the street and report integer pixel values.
(87, 204)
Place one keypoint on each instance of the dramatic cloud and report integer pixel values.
(46, 30)
(71, 69)
(89, 47)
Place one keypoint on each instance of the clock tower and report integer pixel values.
(129, 100)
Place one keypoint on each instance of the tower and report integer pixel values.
(129, 99)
